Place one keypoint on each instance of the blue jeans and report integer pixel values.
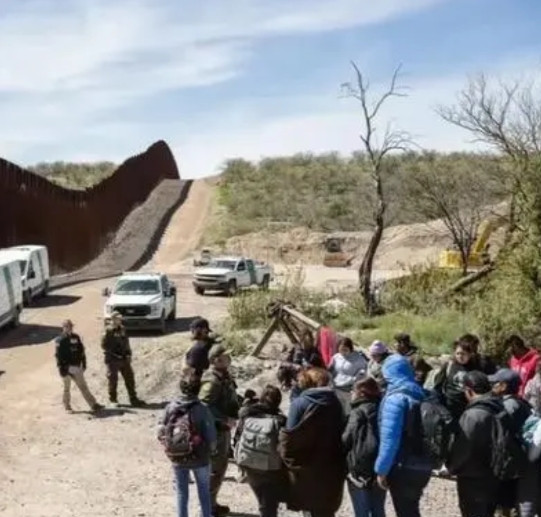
(406, 486)
(202, 481)
(367, 502)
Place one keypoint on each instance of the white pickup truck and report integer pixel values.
(145, 300)
(229, 274)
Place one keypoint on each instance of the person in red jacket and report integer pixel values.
(523, 360)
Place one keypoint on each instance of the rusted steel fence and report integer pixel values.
(76, 225)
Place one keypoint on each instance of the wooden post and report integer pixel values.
(268, 333)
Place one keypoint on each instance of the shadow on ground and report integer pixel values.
(104, 413)
(54, 300)
(179, 325)
(28, 334)
(149, 406)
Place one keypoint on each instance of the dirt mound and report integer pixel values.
(138, 237)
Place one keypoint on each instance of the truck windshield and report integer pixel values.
(223, 264)
(136, 286)
(22, 265)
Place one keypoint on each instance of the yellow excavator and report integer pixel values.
(479, 256)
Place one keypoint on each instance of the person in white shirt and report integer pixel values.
(346, 367)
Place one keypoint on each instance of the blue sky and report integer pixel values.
(100, 79)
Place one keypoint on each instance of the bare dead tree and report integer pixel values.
(376, 152)
(507, 117)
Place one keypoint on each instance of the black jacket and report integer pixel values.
(197, 356)
(70, 351)
(116, 345)
(363, 413)
(471, 454)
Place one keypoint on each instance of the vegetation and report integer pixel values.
(75, 175)
(504, 299)
(331, 193)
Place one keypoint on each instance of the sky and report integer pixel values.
(90, 80)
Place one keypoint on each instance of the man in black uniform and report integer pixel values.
(71, 363)
(197, 356)
(116, 346)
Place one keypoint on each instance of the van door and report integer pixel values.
(251, 271)
(34, 279)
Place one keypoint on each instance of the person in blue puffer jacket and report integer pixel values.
(403, 474)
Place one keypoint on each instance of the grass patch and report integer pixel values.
(433, 334)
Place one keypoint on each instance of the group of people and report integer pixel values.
(71, 363)
(377, 423)
(362, 422)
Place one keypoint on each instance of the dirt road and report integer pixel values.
(54, 464)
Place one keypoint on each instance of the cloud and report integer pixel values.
(328, 123)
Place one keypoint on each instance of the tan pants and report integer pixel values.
(76, 375)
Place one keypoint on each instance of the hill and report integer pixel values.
(328, 193)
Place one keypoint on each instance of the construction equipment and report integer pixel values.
(334, 256)
(479, 255)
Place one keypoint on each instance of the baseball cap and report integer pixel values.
(478, 382)
(200, 323)
(378, 348)
(217, 351)
(510, 377)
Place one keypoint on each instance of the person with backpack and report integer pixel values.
(188, 436)
(311, 447)
(449, 381)
(361, 441)
(520, 492)
(523, 360)
(401, 464)
(218, 391)
(257, 450)
(345, 368)
(71, 362)
(481, 450)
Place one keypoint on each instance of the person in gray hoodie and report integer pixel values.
(204, 439)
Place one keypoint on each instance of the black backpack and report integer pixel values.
(509, 453)
(430, 431)
(362, 456)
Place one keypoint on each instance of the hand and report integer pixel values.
(383, 482)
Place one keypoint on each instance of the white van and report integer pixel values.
(11, 293)
(34, 266)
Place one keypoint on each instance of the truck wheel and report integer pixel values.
(173, 314)
(199, 290)
(265, 283)
(232, 288)
(27, 297)
(16, 321)
(163, 324)
(45, 288)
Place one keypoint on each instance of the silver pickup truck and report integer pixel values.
(229, 274)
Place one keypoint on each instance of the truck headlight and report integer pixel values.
(155, 308)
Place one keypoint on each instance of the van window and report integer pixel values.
(241, 266)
